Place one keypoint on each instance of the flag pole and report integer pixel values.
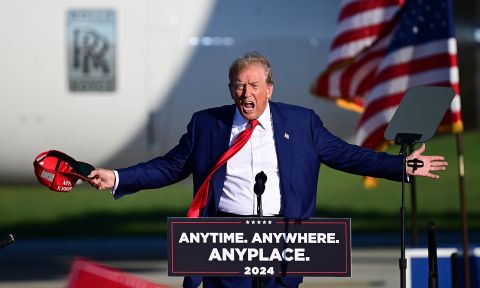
(463, 207)
(413, 191)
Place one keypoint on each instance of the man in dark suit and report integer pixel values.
(287, 142)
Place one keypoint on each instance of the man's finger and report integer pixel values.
(93, 173)
(438, 163)
(432, 175)
(420, 150)
(436, 158)
(437, 168)
(426, 174)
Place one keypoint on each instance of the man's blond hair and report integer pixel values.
(247, 59)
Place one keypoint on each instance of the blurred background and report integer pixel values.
(113, 83)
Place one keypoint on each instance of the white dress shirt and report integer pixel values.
(257, 155)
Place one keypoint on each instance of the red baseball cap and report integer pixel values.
(58, 171)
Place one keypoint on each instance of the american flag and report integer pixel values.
(380, 49)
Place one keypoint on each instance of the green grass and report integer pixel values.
(34, 211)
(37, 211)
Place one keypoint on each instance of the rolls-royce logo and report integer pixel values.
(91, 50)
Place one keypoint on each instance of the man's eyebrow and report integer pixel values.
(249, 83)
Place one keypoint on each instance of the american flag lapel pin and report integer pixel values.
(286, 136)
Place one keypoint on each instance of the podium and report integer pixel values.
(259, 247)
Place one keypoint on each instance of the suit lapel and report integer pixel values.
(282, 134)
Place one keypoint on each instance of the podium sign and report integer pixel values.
(250, 246)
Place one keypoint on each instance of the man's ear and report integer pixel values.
(269, 91)
(230, 91)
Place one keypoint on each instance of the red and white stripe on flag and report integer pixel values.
(383, 47)
(89, 274)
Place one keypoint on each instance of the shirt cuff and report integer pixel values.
(117, 179)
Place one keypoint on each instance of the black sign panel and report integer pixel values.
(259, 247)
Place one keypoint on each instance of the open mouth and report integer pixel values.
(248, 106)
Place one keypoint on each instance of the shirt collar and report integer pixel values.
(265, 119)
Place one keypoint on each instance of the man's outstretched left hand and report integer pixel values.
(430, 163)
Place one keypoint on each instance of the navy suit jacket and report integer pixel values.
(301, 142)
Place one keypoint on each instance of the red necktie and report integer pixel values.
(201, 197)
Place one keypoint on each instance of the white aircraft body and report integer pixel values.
(171, 58)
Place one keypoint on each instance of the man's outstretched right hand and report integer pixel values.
(102, 179)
